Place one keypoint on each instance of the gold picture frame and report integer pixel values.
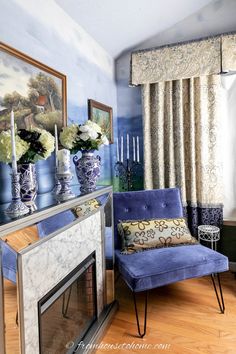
(36, 92)
(102, 115)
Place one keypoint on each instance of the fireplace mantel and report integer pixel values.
(44, 260)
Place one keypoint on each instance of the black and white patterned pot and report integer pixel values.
(28, 182)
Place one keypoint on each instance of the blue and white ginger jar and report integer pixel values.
(88, 169)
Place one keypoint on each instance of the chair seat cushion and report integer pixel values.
(157, 267)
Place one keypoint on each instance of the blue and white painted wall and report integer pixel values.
(45, 32)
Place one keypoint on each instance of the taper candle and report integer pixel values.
(13, 144)
(117, 150)
(56, 145)
(134, 157)
(137, 149)
(63, 157)
(122, 149)
(127, 146)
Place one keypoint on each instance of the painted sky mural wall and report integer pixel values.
(50, 36)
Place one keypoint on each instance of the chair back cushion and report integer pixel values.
(141, 235)
(146, 204)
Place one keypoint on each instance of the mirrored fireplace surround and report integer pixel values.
(45, 263)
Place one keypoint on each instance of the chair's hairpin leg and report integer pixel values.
(220, 298)
(145, 315)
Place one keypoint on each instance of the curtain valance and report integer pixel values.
(229, 53)
(180, 61)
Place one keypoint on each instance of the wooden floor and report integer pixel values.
(184, 316)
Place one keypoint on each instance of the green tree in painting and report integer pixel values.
(48, 120)
(12, 100)
(43, 85)
(15, 101)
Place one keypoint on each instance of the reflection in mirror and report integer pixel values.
(109, 248)
(86, 208)
(12, 331)
(11, 245)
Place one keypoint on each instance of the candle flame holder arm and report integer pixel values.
(126, 171)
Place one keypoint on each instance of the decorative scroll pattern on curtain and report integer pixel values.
(182, 135)
(229, 53)
(176, 62)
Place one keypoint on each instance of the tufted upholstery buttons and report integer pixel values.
(164, 205)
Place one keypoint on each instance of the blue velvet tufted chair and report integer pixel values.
(153, 268)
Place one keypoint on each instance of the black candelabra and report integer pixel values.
(127, 171)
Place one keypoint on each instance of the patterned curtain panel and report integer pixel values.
(182, 136)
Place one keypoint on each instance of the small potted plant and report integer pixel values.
(86, 138)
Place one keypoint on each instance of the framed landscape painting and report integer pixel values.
(35, 92)
(102, 115)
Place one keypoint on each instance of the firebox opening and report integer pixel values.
(68, 310)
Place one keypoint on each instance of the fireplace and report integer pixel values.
(68, 310)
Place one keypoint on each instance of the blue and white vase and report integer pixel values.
(88, 169)
(28, 182)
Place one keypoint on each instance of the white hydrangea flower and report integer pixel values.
(68, 136)
(84, 136)
(89, 130)
(87, 136)
(94, 126)
(92, 134)
(5, 147)
(47, 141)
(84, 128)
